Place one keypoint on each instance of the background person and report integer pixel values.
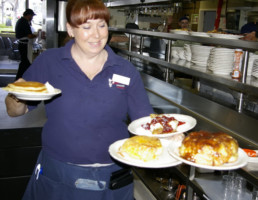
(23, 34)
(88, 116)
(249, 31)
(184, 23)
(168, 23)
(114, 38)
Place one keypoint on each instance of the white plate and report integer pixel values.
(181, 32)
(200, 34)
(241, 161)
(136, 128)
(225, 36)
(163, 161)
(33, 96)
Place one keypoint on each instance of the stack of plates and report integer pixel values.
(198, 67)
(221, 61)
(255, 69)
(178, 52)
(200, 34)
(252, 57)
(187, 52)
(225, 36)
(200, 55)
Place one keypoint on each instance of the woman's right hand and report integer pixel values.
(14, 106)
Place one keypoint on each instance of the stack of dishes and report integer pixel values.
(181, 53)
(178, 52)
(252, 58)
(200, 55)
(199, 34)
(187, 52)
(221, 60)
(225, 36)
(255, 69)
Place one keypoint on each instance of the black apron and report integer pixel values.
(55, 180)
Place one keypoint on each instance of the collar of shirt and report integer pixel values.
(112, 57)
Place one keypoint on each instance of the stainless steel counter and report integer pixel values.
(167, 98)
(207, 112)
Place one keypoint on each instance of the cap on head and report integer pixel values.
(248, 28)
(183, 18)
(28, 12)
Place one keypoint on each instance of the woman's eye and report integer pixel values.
(102, 25)
(86, 27)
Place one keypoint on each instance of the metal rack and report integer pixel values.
(246, 85)
(110, 3)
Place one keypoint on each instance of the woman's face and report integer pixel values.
(91, 37)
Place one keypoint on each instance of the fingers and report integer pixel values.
(13, 97)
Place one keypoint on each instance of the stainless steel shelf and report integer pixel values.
(243, 87)
(250, 87)
(230, 43)
(131, 2)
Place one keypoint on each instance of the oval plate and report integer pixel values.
(135, 127)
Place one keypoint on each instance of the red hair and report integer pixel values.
(79, 11)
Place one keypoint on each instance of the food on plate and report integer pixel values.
(216, 31)
(27, 86)
(162, 124)
(181, 29)
(143, 148)
(207, 148)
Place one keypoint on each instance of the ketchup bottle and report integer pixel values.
(236, 73)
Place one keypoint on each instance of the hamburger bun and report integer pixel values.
(143, 148)
(26, 86)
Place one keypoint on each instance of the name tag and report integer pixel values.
(120, 79)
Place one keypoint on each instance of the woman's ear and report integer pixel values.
(69, 30)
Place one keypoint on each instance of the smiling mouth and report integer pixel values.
(95, 43)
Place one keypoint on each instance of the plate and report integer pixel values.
(241, 161)
(200, 34)
(225, 36)
(135, 127)
(179, 32)
(32, 96)
(163, 161)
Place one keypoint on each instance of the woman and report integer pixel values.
(99, 91)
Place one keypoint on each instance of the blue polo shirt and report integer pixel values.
(89, 115)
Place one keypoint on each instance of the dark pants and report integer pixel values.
(55, 180)
(25, 63)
